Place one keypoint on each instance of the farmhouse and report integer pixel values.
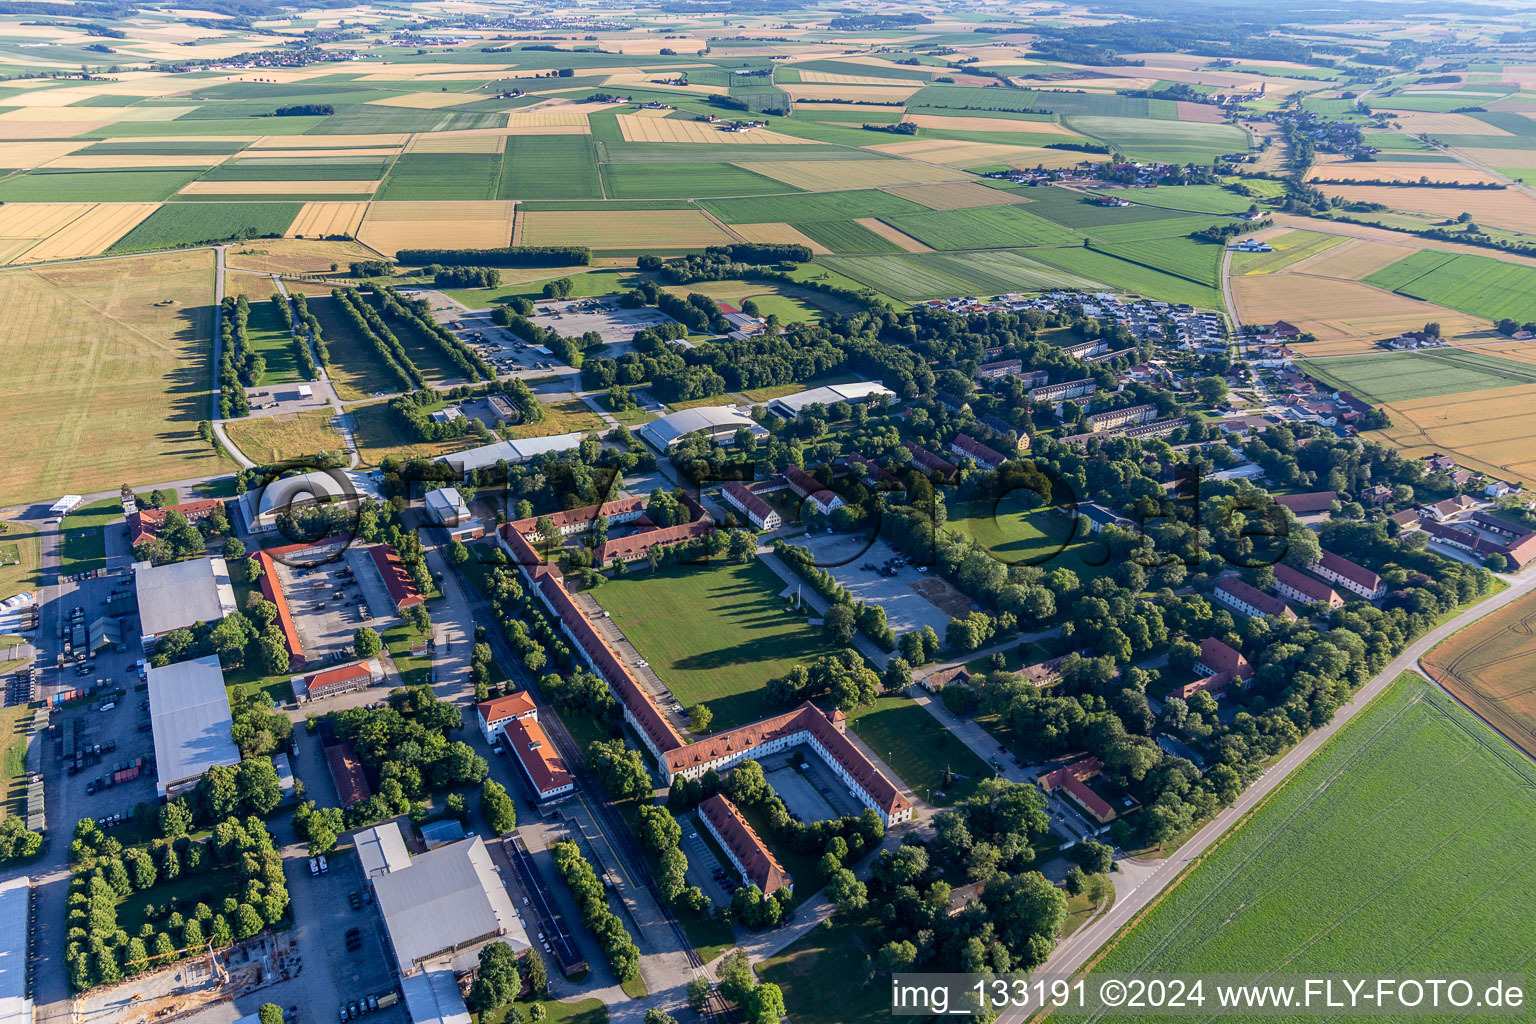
(402, 589)
(747, 852)
(1450, 508)
(1356, 579)
(1298, 586)
(493, 715)
(144, 524)
(180, 595)
(1120, 417)
(716, 422)
(1251, 601)
(1073, 780)
(758, 512)
(190, 718)
(966, 446)
(810, 489)
(792, 407)
(333, 681)
(1308, 504)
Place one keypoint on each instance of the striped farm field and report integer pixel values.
(317, 220)
(1377, 170)
(35, 154)
(778, 232)
(626, 229)
(389, 227)
(423, 100)
(373, 141)
(833, 78)
(671, 129)
(92, 233)
(983, 227)
(279, 188)
(37, 220)
(913, 277)
(554, 118)
(1489, 666)
(958, 195)
(902, 240)
(851, 93)
(458, 142)
(847, 236)
(127, 161)
(1402, 376)
(1289, 247)
(1488, 431)
(1473, 284)
(953, 153)
(1505, 208)
(1351, 259)
(990, 124)
(834, 175)
(177, 224)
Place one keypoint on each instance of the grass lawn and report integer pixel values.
(378, 435)
(109, 358)
(714, 634)
(919, 748)
(13, 757)
(270, 335)
(1081, 909)
(85, 546)
(560, 418)
(829, 976)
(586, 1011)
(1390, 813)
(584, 284)
(1030, 537)
(414, 668)
(269, 439)
(19, 555)
(208, 887)
(354, 371)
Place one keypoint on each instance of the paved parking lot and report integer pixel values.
(616, 325)
(366, 573)
(324, 603)
(844, 556)
(359, 974)
(702, 861)
(809, 790)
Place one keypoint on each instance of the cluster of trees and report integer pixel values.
(499, 810)
(98, 951)
(845, 614)
(618, 947)
(411, 410)
(256, 729)
(319, 826)
(371, 268)
(239, 365)
(305, 110)
(761, 1003)
(497, 980)
(300, 348)
(418, 313)
(899, 128)
(507, 256)
(844, 676)
(620, 768)
(465, 277)
(407, 744)
(16, 842)
(249, 788)
(661, 835)
(1222, 232)
(238, 639)
(366, 322)
(311, 326)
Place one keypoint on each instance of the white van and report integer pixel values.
(109, 705)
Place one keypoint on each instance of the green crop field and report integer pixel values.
(1397, 377)
(685, 181)
(1078, 210)
(94, 186)
(1473, 284)
(983, 227)
(549, 167)
(149, 147)
(365, 168)
(192, 223)
(1123, 275)
(812, 206)
(370, 120)
(912, 277)
(442, 176)
(1291, 247)
(1182, 256)
(1189, 198)
(1393, 812)
(847, 236)
(714, 634)
(1170, 141)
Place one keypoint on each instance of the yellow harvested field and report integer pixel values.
(425, 100)
(564, 105)
(835, 175)
(852, 93)
(110, 358)
(390, 227)
(1505, 208)
(900, 238)
(558, 129)
(1445, 124)
(293, 255)
(973, 154)
(1346, 316)
(779, 232)
(45, 130)
(656, 129)
(61, 120)
(318, 154)
(37, 220)
(1353, 259)
(128, 161)
(554, 117)
(271, 439)
(1519, 351)
(278, 188)
(653, 112)
(1522, 158)
(990, 124)
(833, 78)
(11, 248)
(320, 219)
(959, 195)
(1407, 245)
(457, 143)
(92, 233)
(21, 155)
(328, 141)
(1376, 170)
(1492, 430)
(621, 229)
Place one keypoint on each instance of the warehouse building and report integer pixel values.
(15, 952)
(381, 849)
(467, 463)
(792, 407)
(265, 506)
(180, 595)
(717, 422)
(189, 715)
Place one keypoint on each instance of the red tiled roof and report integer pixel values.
(1312, 588)
(930, 461)
(749, 502)
(1220, 658)
(347, 772)
(876, 472)
(1074, 779)
(1255, 598)
(1316, 501)
(537, 755)
(637, 545)
(144, 525)
(762, 868)
(320, 683)
(513, 705)
(272, 590)
(1357, 574)
(1214, 685)
(402, 589)
(978, 451)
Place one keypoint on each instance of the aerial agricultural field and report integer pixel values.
(779, 232)
(1346, 316)
(1475, 284)
(90, 234)
(272, 439)
(1401, 376)
(549, 167)
(320, 220)
(1289, 247)
(632, 229)
(1388, 815)
(915, 276)
(1506, 208)
(849, 236)
(1123, 275)
(1173, 141)
(1489, 666)
(984, 227)
(180, 224)
(388, 227)
(110, 358)
(830, 175)
(959, 195)
(1490, 430)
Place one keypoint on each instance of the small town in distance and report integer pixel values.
(611, 514)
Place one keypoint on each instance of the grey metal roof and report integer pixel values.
(15, 1006)
(665, 431)
(180, 594)
(856, 392)
(432, 997)
(381, 849)
(513, 452)
(447, 899)
(189, 712)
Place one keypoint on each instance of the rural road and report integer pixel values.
(1076, 951)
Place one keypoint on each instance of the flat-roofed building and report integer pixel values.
(179, 595)
(467, 463)
(748, 854)
(15, 952)
(190, 718)
(381, 849)
(792, 407)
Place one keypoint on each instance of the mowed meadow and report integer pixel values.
(106, 374)
(1409, 840)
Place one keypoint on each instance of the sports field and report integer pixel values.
(1392, 813)
(1397, 377)
(110, 359)
(714, 634)
(1491, 666)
